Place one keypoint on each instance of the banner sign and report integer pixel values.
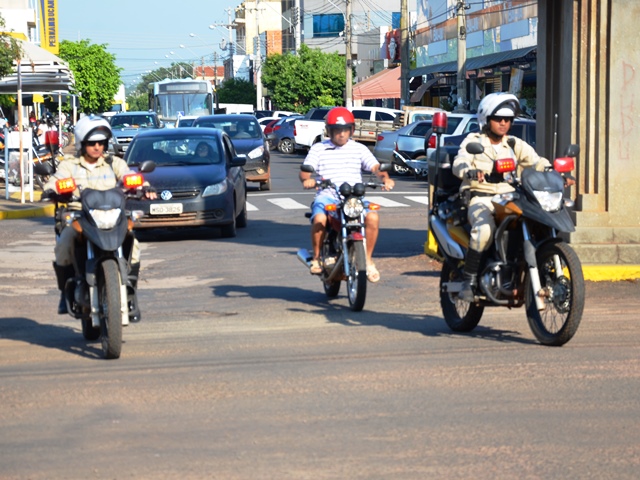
(49, 25)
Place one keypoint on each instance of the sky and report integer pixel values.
(145, 35)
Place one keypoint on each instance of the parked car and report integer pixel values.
(248, 139)
(264, 121)
(185, 121)
(198, 177)
(387, 142)
(263, 113)
(282, 134)
(524, 128)
(126, 125)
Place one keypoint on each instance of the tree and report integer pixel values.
(305, 80)
(96, 74)
(10, 51)
(234, 90)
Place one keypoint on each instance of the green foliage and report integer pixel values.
(9, 51)
(235, 90)
(96, 74)
(308, 79)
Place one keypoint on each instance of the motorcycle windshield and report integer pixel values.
(105, 239)
(550, 182)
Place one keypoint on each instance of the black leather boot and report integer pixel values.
(471, 267)
(63, 273)
(132, 293)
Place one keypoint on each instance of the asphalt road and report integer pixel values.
(241, 368)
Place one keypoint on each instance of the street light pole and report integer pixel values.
(257, 62)
(462, 56)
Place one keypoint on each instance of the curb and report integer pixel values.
(44, 211)
(591, 272)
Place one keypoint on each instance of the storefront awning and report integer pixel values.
(497, 58)
(475, 62)
(384, 84)
(421, 90)
(41, 72)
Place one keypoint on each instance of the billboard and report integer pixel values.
(49, 25)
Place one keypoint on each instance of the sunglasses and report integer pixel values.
(93, 143)
(501, 119)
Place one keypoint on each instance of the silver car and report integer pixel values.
(413, 134)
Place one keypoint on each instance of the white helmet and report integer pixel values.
(499, 104)
(91, 128)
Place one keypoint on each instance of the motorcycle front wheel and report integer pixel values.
(562, 289)
(460, 316)
(357, 280)
(110, 316)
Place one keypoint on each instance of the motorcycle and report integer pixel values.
(343, 250)
(102, 294)
(528, 263)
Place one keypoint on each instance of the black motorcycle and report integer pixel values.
(102, 294)
(343, 253)
(529, 263)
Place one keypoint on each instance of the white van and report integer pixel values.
(375, 113)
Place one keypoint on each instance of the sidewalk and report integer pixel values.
(13, 208)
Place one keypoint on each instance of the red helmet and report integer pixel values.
(340, 117)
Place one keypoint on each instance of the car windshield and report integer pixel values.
(132, 121)
(176, 150)
(237, 129)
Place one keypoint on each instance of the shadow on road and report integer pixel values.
(62, 338)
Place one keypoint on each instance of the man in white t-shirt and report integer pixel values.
(340, 159)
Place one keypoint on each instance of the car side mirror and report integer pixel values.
(238, 161)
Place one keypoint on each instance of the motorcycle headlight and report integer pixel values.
(216, 189)
(549, 201)
(105, 219)
(353, 207)
(256, 153)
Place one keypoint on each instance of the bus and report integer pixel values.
(173, 98)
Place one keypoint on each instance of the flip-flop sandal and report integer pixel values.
(315, 268)
(372, 273)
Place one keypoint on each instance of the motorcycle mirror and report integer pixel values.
(386, 167)
(572, 150)
(147, 166)
(44, 169)
(475, 148)
(307, 168)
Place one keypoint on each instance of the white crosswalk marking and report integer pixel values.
(288, 203)
(421, 199)
(251, 208)
(385, 202)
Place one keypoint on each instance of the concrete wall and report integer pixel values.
(588, 61)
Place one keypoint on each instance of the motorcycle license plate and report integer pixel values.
(165, 209)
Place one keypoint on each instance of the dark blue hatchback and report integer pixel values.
(198, 177)
(247, 138)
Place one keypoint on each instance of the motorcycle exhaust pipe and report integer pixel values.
(305, 257)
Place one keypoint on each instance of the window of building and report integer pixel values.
(328, 25)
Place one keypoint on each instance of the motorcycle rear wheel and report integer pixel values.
(460, 316)
(357, 280)
(110, 316)
(564, 302)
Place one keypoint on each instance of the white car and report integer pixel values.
(457, 124)
(264, 121)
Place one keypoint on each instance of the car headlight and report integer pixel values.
(549, 201)
(105, 219)
(256, 153)
(353, 207)
(215, 189)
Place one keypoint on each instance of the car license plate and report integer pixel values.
(165, 209)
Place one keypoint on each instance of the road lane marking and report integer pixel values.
(288, 203)
(421, 199)
(385, 202)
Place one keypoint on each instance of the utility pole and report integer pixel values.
(257, 62)
(462, 56)
(296, 22)
(215, 69)
(202, 66)
(348, 90)
(405, 59)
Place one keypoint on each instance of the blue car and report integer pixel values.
(247, 138)
(198, 177)
(282, 134)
